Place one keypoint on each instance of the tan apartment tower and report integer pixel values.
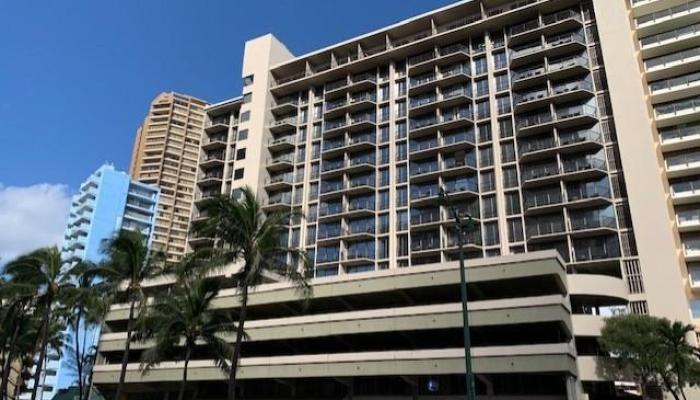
(165, 154)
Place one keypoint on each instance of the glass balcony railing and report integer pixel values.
(530, 96)
(668, 60)
(575, 111)
(334, 124)
(676, 34)
(585, 222)
(422, 80)
(431, 243)
(537, 145)
(282, 178)
(421, 192)
(683, 160)
(680, 132)
(540, 171)
(669, 109)
(424, 168)
(549, 226)
(452, 71)
(361, 205)
(519, 75)
(675, 83)
(542, 198)
(282, 140)
(281, 159)
(526, 121)
(284, 198)
(425, 216)
(588, 190)
(423, 57)
(461, 185)
(458, 137)
(568, 62)
(331, 187)
(668, 13)
(583, 163)
(416, 146)
(284, 121)
(571, 137)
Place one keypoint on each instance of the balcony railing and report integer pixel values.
(675, 34)
(291, 139)
(567, 138)
(680, 132)
(283, 178)
(547, 227)
(285, 198)
(284, 121)
(540, 171)
(683, 160)
(542, 198)
(675, 107)
(672, 59)
(584, 222)
(425, 217)
(588, 191)
(583, 163)
(537, 145)
(675, 83)
(673, 12)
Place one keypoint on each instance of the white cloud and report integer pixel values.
(31, 217)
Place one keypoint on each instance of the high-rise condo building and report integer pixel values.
(108, 201)
(165, 154)
(539, 118)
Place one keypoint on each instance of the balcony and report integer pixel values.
(688, 220)
(210, 178)
(565, 117)
(680, 137)
(282, 143)
(336, 147)
(431, 146)
(280, 163)
(677, 112)
(356, 102)
(549, 229)
(683, 164)
(425, 218)
(357, 257)
(355, 232)
(542, 201)
(678, 63)
(672, 40)
(424, 194)
(426, 244)
(669, 18)
(583, 167)
(588, 194)
(217, 125)
(278, 203)
(675, 88)
(359, 82)
(691, 248)
(448, 121)
(444, 55)
(212, 160)
(555, 46)
(550, 24)
(589, 224)
(354, 123)
(284, 105)
(430, 102)
(283, 125)
(213, 142)
(281, 181)
(207, 195)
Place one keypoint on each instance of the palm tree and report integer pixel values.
(41, 269)
(675, 344)
(251, 239)
(130, 263)
(186, 312)
(18, 333)
(87, 302)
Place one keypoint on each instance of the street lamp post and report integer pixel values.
(462, 225)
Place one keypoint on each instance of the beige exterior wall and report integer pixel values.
(165, 154)
(644, 174)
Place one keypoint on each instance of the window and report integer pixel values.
(243, 134)
(384, 112)
(384, 155)
(384, 200)
(401, 88)
(482, 87)
(488, 206)
(491, 233)
(247, 97)
(503, 103)
(238, 174)
(384, 177)
(400, 109)
(245, 116)
(248, 80)
(505, 128)
(401, 196)
(383, 223)
(479, 65)
(384, 133)
(510, 177)
(318, 111)
(304, 115)
(515, 230)
(501, 82)
(317, 131)
(311, 234)
(402, 245)
(499, 60)
(401, 151)
(488, 181)
(512, 203)
(401, 130)
(401, 174)
(483, 109)
(384, 93)
(401, 220)
(485, 156)
(507, 152)
(484, 132)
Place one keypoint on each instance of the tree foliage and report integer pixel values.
(656, 351)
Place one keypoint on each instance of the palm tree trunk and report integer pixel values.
(188, 353)
(125, 356)
(78, 357)
(239, 342)
(8, 361)
(42, 349)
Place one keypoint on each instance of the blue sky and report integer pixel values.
(76, 77)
